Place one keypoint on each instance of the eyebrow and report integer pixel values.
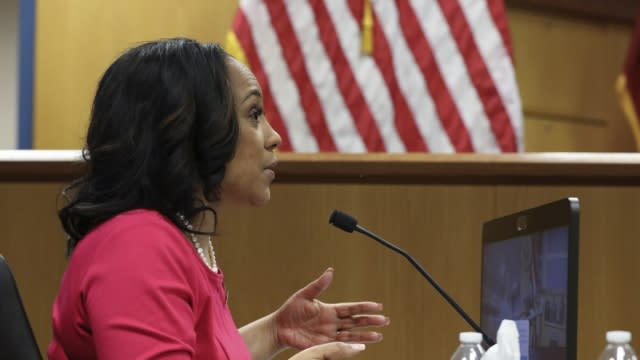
(254, 92)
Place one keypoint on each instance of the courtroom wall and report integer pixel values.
(76, 40)
(566, 66)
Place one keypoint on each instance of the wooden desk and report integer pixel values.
(431, 205)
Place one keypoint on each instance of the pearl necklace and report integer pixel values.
(196, 244)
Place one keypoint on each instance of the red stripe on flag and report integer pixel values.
(499, 16)
(403, 117)
(347, 82)
(295, 60)
(242, 29)
(423, 54)
(480, 77)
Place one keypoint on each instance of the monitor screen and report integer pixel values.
(529, 274)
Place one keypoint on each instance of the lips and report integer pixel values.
(270, 170)
(272, 165)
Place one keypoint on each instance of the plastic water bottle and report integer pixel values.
(618, 347)
(470, 348)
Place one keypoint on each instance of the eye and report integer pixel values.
(255, 113)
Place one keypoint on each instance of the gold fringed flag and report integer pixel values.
(383, 75)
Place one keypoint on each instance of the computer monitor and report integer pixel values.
(530, 274)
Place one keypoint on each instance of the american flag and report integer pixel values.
(383, 75)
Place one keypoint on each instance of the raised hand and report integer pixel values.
(304, 321)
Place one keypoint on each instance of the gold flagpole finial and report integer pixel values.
(367, 28)
(233, 47)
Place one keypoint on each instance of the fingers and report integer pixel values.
(350, 309)
(317, 286)
(329, 351)
(359, 336)
(363, 321)
(346, 324)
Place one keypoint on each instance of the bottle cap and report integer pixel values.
(618, 337)
(470, 337)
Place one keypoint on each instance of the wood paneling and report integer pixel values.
(268, 253)
(440, 226)
(76, 40)
(623, 11)
(566, 69)
(548, 133)
(32, 241)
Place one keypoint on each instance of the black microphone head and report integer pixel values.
(343, 221)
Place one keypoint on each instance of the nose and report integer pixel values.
(273, 139)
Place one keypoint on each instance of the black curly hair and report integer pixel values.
(162, 128)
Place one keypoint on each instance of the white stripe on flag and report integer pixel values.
(367, 74)
(338, 118)
(285, 92)
(497, 60)
(411, 81)
(454, 72)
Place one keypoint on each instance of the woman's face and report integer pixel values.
(249, 174)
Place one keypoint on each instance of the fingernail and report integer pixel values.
(358, 347)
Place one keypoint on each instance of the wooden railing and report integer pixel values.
(530, 168)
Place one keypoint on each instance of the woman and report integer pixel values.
(177, 134)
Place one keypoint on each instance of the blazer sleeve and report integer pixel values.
(139, 295)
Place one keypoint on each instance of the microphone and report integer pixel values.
(348, 223)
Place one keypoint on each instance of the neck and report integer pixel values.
(204, 222)
(202, 243)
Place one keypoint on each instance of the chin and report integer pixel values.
(246, 199)
(252, 201)
(260, 201)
